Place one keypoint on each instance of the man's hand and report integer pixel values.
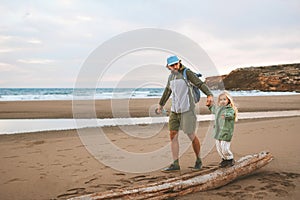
(209, 100)
(158, 110)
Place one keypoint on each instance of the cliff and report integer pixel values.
(269, 78)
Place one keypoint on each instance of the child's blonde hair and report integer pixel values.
(231, 102)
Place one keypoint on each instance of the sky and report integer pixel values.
(46, 43)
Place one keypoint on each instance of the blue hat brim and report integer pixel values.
(172, 63)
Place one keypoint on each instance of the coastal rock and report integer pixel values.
(269, 78)
(215, 82)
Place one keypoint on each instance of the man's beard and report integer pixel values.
(174, 72)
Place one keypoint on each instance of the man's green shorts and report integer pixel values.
(183, 121)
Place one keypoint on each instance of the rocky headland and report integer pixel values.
(267, 78)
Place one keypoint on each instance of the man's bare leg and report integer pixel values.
(196, 147)
(174, 145)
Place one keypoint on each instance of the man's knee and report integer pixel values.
(173, 134)
(193, 137)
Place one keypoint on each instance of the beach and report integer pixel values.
(56, 164)
(137, 107)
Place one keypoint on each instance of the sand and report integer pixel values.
(137, 107)
(56, 165)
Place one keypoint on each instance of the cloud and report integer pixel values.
(7, 50)
(244, 50)
(34, 41)
(35, 61)
(60, 35)
(4, 67)
(12, 43)
(84, 18)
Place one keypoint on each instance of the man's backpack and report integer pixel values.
(195, 90)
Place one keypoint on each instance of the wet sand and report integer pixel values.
(136, 107)
(56, 165)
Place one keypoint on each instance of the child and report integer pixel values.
(225, 116)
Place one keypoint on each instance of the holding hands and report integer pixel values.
(209, 101)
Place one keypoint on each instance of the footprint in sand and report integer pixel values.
(59, 150)
(15, 180)
(137, 178)
(250, 188)
(56, 164)
(291, 175)
(72, 192)
(119, 174)
(279, 183)
(91, 180)
(107, 186)
(126, 181)
(224, 194)
(279, 192)
(143, 178)
(271, 185)
(288, 184)
(260, 195)
(31, 144)
(234, 187)
(37, 151)
(11, 157)
(241, 195)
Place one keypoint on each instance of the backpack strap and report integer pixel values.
(187, 81)
(185, 77)
(184, 74)
(195, 92)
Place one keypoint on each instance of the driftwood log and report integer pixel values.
(187, 183)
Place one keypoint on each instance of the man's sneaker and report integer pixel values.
(198, 165)
(171, 168)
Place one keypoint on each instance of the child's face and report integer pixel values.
(223, 101)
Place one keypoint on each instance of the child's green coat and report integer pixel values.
(223, 128)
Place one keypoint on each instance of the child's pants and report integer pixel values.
(223, 149)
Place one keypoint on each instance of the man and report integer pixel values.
(183, 115)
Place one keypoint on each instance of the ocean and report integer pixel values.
(30, 94)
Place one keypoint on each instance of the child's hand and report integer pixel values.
(223, 116)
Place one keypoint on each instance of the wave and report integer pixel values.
(28, 94)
